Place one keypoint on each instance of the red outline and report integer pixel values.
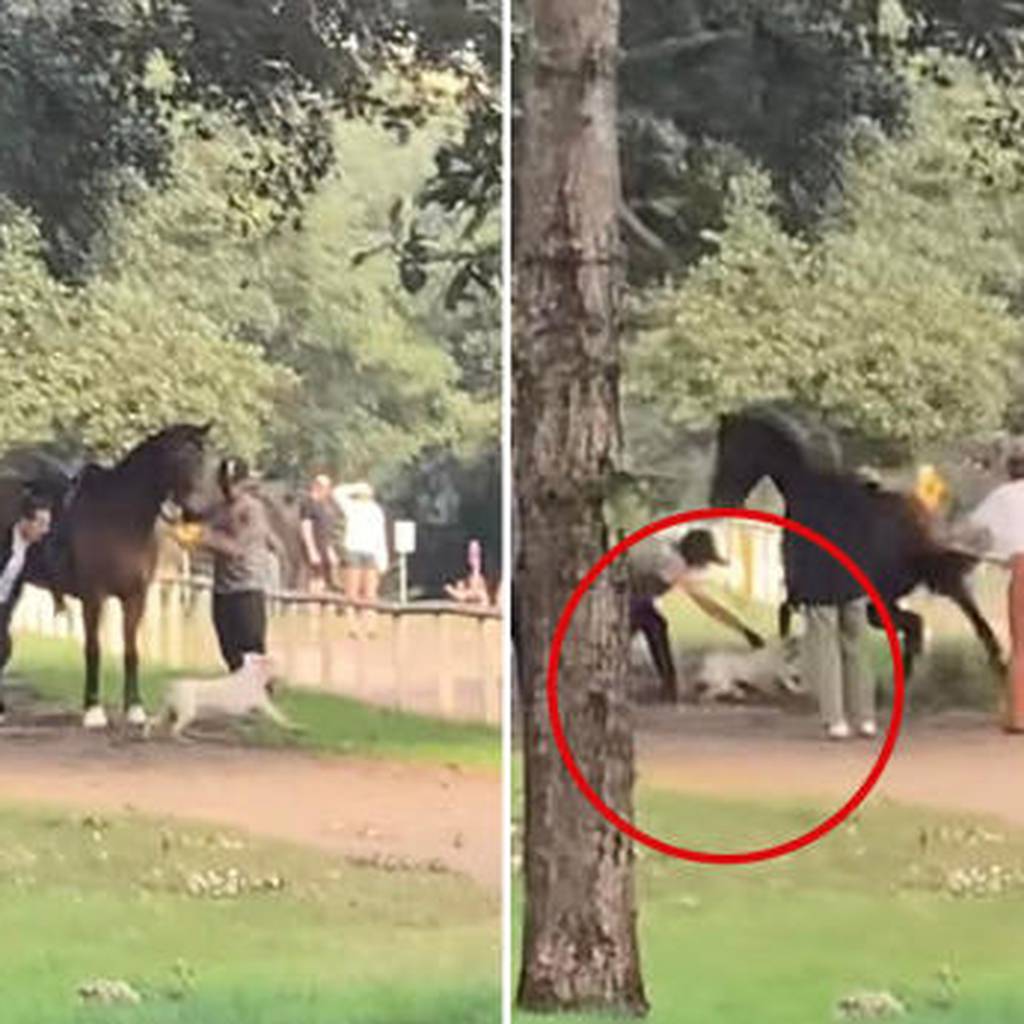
(768, 852)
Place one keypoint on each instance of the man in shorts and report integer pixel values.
(319, 520)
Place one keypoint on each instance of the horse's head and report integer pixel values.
(769, 440)
(183, 468)
(740, 461)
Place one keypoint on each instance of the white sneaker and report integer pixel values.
(869, 730)
(839, 731)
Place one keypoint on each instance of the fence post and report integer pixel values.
(491, 680)
(445, 677)
(397, 657)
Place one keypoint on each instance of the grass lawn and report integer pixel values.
(871, 908)
(322, 942)
(54, 669)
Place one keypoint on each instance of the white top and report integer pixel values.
(15, 564)
(365, 527)
(1002, 514)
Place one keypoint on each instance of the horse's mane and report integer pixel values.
(812, 438)
(163, 440)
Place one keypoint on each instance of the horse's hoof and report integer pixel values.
(95, 718)
(137, 715)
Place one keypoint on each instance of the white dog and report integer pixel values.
(730, 675)
(244, 692)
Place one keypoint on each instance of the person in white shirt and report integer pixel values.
(996, 528)
(365, 549)
(33, 524)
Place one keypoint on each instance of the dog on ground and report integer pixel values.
(734, 675)
(244, 692)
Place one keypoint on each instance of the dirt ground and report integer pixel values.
(412, 814)
(385, 812)
(956, 761)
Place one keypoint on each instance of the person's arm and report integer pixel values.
(342, 495)
(718, 612)
(973, 533)
(309, 540)
(219, 542)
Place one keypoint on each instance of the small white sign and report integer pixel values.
(405, 536)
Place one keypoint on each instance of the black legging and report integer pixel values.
(645, 618)
(240, 620)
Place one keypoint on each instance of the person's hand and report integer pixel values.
(314, 559)
(754, 639)
(188, 534)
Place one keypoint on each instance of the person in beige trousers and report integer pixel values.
(836, 664)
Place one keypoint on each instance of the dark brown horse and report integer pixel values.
(103, 543)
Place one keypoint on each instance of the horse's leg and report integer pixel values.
(133, 606)
(95, 717)
(961, 595)
(910, 626)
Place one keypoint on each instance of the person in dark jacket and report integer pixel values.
(33, 524)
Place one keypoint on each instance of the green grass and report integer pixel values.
(331, 724)
(83, 899)
(865, 909)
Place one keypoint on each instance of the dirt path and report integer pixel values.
(379, 810)
(957, 761)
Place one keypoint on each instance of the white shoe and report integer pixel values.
(137, 715)
(869, 730)
(95, 717)
(839, 731)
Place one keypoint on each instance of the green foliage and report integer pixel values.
(897, 324)
(385, 376)
(80, 119)
(201, 307)
(706, 82)
(101, 368)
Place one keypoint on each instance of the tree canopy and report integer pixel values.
(898, 317)
(185, 199)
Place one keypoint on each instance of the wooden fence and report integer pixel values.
(432, 658)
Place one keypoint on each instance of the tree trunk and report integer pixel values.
(579, 947)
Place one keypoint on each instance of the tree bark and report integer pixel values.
(579, 946)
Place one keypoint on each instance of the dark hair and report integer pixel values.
(1015, 466)
(698, 548)
(31, 505)
(231, 471)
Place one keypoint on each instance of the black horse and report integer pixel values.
(104, 543)
(885, 532)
